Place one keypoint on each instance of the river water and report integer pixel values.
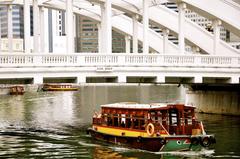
(53, 124)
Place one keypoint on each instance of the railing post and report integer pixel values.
(197, 60)
(234, 61)
(37, 60)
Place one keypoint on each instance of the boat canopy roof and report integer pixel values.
(152, 106)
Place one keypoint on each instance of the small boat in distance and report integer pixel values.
(59, 87)
(16, 90)
(153, 127)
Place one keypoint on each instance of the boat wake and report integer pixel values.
(203, 152)
(88, 144)
(227, 156)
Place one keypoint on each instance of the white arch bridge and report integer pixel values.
(215, 61)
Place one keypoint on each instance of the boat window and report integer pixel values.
(156, 117)
(173, 117)
(188, 117)
(115, 120)
(109, 121)
(128, 121)
(123, 120)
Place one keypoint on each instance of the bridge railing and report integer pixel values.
(117, 59)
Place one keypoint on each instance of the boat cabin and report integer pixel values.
(16, 90)
(155, 118)
(59, 87)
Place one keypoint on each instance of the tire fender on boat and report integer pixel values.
(150, 129)
(205, 141)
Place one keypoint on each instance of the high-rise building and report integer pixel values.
(87, 36)
(17, 19)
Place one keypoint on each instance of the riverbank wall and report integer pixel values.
(216, 102)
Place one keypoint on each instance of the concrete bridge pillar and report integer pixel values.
(198, 79)
(181, 25)
(145, 26)
(10, 29)
(235, 80)
(26, 26)
(38, 79)
(135, 33)
(122, 79)
(160, 79)
(81, 79)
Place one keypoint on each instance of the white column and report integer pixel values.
(216, 31)
(42, 30)
(99, 37)
(181, 27)
(165, 40)
(27, 26)
(127, 43)
(69, 26)
(102, 28)
(74, 33)
(107, 27)
(35, 26)
(135, 33)
(145, 26)
(10, 29)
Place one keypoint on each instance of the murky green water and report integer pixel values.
(53, 124)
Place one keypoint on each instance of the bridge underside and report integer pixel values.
(156, 75)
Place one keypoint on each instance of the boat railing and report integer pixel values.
(159, 129)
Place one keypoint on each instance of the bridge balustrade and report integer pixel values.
(57, 60)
